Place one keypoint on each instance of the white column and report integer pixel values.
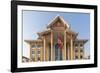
(44, 48)
(65, 45)
(51, 45)
(68, 53)
(71, 42)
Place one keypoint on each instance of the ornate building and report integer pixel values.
(57, 42)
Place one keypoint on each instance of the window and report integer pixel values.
(76, 45)
(38, 52)
(81, 50)
(76, 50)
(33, 52)
(81, 56)
(76, 57)
(81, 45)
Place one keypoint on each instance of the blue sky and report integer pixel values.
(36, 21)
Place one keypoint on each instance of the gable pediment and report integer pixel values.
(58, 23)
(58, 26)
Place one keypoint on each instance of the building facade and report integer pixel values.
(57, 42)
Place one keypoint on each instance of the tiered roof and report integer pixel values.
(49, 28)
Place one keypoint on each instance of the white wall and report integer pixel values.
(5, 32)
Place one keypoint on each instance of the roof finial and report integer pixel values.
(58, 15)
